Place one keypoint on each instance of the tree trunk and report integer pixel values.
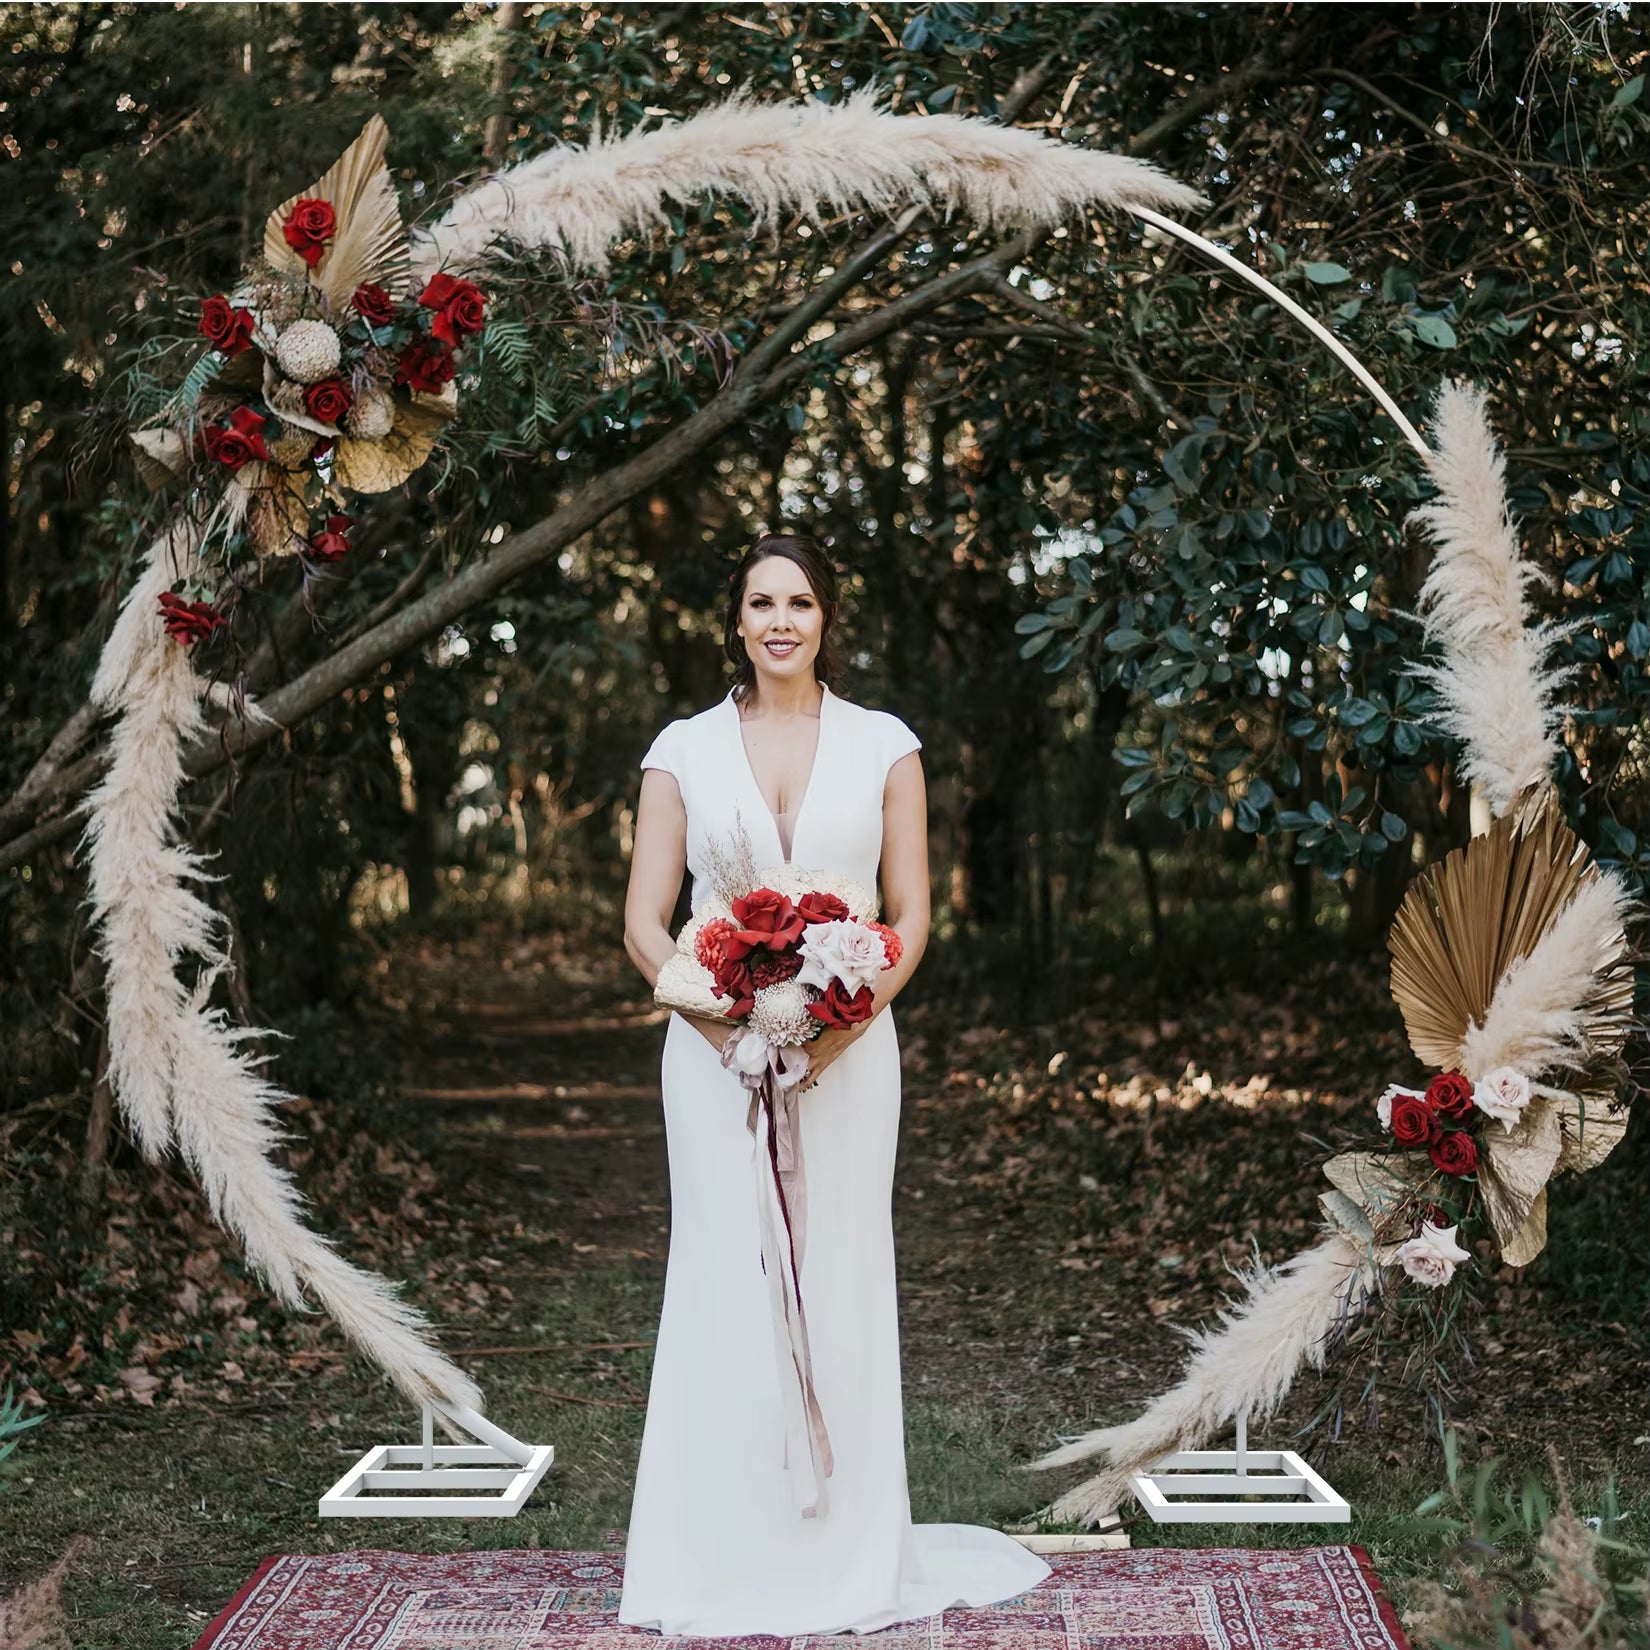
(1154, 900)
(509, 19)
(432, 752)
(1374, 897)
(94, 1162)
(1300, 894)
(1097, 789)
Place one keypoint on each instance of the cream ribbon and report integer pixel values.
(773, 1074)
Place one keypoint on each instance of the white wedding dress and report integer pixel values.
(717, 1545)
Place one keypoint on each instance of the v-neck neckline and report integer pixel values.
(797, 812)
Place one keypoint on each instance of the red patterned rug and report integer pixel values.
(1150, 1598)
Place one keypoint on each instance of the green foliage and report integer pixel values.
(1252, 596)
(13, 1424)
(1522, 1567)
(1249, 623)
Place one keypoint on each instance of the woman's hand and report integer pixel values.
(827, 1047)
(714, 1031)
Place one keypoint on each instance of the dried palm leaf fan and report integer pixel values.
(370, 244)
(1510, 965)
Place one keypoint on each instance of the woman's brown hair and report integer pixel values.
(821, 576)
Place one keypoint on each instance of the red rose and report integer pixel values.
(839, 1007)
(308, 227)
(330, 544)
(188, 622)
(732, 975)
(891, 942)
(1450, 1096)
(241, 439)
(225, 328)
(1455, 1152)
(424, 368)
(374, 305)
(323, 445)
(459, 307)
(1413, 1122)
(733, 981)
(327, 401)
(765, 918)
(774, 967)
(821, 908)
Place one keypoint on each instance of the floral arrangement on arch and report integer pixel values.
(1511, 969)
(329, 372)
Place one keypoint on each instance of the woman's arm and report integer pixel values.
(904, 873)
(905, 906)
(657, 864)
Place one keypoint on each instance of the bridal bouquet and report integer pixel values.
(785, 960)
(781, 955)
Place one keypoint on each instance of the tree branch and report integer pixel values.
(1075, 330)
(436, 608)
(65, 742)
(1262, 66)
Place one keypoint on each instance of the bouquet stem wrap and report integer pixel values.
(775, 1123)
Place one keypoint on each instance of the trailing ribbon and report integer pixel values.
(773, 1074)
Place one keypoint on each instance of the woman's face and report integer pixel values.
(780, 619)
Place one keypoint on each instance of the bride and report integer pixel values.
(728, 1535)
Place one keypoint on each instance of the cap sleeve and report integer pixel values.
(897, 741)
(666, 751)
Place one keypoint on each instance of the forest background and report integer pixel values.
(1122, 545)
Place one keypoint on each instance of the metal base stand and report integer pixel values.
(1299, 1495)
(440, 1473)
(1109, 1536)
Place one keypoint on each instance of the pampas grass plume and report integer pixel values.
(813, 158)
(1287, 1318)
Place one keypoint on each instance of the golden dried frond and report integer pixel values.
(371, 241)
(1484, 907)
(377, 466)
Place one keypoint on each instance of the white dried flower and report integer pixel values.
(308, 351)
(1432, 1256)
(781, 1014)
(1502, 1094)
(686, 987)
(371, 415)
